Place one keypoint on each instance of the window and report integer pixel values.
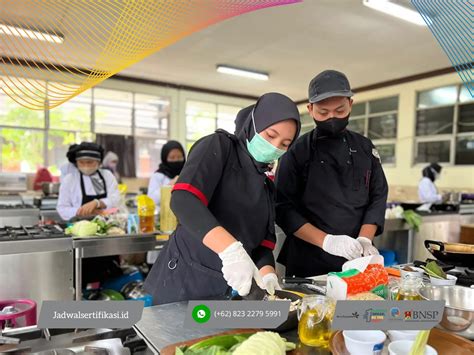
(30, 139)
(445, 126)
(113, 111)
(377, 120)
(148, 153)
(203, 118)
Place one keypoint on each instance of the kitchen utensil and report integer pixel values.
(453, 253)
(416, 272)
(315, 316)
(256, 293)
(292, 320)
(315, 285)
(458, 313)
(50, 188)
(360, 342)
(450, 281)
(403, 347)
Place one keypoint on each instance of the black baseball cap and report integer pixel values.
(329, 83)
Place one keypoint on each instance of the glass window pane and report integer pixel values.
(149, 155)
(197, 108)
(383, 126)
(387, 153)
(113, 120)
(358, 109)
(357, 125)
(114, 98)
(197, 127)
(429, 152)
(440, 96)
(466, 118)
(383, 105)
(71, 115)
(435, 121)
(226, 116)
(465, 95)
(13, 114)
(35, 89)
(58, 145)
(151, 115)
(465, 150)
(22, 150)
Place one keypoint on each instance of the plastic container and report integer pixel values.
(146, 214)
(403, 347)
(364, 342)
(168, 221)
(451, 281)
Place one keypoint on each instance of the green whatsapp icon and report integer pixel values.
(201, 314)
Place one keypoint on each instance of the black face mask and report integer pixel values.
(175, 166)
(333, 126)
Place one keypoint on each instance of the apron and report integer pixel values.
(99, 268)
(338, 198)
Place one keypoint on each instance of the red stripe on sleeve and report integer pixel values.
(268, 244)
(195, 191)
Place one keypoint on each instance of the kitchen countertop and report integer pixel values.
(162, 325)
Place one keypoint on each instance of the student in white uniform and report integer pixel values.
(87, 190)
(427, 191)
(172, 162)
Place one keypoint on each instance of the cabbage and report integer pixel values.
(264, 343)
(83, 229)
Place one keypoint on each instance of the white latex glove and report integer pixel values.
(239, 269)
(342, 245)
(271, 283)
(369, 249)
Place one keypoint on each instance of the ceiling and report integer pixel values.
(292, 43)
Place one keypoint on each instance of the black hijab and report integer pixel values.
(270, 108)
(171, 169)
(429, 171)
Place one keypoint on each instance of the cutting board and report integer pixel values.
(171, 349)
(443, 342)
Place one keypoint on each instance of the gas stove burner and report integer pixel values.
(8, 233)
(15, 206)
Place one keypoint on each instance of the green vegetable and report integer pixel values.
(413, 219)
(433, 270)
(261, 343)
(419, 345)
(82, 229)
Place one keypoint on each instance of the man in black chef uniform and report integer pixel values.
(331, 189)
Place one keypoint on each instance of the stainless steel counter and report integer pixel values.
(35, 246)
(106, 246)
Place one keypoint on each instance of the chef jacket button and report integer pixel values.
(349, 162)
(322, 161)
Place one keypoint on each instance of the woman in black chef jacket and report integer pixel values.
(225, 206)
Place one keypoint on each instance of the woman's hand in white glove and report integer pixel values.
(367, 246)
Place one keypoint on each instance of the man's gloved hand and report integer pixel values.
(271, 283)
(238, 269)
(342, 245)
(367, 246)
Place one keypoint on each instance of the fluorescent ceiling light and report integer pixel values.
(242, 72)
(396, 10)
(30, 34)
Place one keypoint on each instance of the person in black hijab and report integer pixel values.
(172, 162)
(225, 206)
(427, 191)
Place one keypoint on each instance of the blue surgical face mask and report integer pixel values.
(262, 150)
